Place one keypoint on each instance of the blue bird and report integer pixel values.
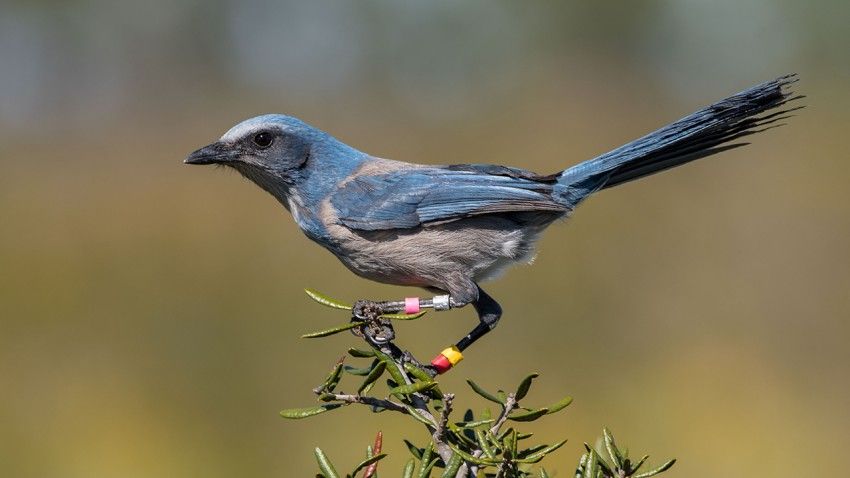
(448, 228)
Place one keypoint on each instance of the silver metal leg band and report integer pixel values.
(442, 302)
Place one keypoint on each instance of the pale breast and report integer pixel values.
(479, 248)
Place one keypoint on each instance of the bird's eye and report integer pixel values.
(264, 139)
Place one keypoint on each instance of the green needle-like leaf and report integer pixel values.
(392, 368)
(403, 316)
(425, 470)
(590, 467)
(334, 377)
(374, 375)
(325, 465)
(528, 416)
(425, 461)
(414, 450)
(655, 471)
(484, 444)
(543, 473)
(510, 444)
(524, 386)
(474, 424)
(637, 465)
(417, 372)
(359, 353)
(604, 468)
(611, 447)
(331, 331)
(559, 405)
(414, 387)
(298, 413)
(498, 446)
(471, 459)
(505, 433)
(484, 393)
(363, 464)
(408, 469)
(465, 436)
(359, 371)
(452, 466)
(530, 451)
(582, 462)
(326, 301)
(540, 454)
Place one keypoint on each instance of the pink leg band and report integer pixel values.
(411, 305)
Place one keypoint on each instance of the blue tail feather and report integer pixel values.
(703, 133)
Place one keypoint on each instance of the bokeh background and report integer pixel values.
(150, 312)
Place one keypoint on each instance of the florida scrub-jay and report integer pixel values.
(448, 228)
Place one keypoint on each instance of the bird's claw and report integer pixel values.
(375, 329)
(379, 331)
(366, 310)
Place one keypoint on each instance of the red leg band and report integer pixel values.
(441, 363)
(447, 359)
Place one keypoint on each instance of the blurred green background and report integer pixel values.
(150, 312)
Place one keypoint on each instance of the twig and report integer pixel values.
(419, 403)
(510, 404)
(372, 401)
(439, 434)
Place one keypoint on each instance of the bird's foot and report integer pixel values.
(375, 329)
(367, 310)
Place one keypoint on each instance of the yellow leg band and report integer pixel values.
(453, 355)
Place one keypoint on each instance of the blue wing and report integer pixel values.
(413, 197)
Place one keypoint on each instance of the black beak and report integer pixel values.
(216, 153)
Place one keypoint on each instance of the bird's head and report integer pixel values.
(270, 150)
(272, 144)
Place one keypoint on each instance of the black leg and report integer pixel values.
(467, 292)
(489, 313)
(365, 309)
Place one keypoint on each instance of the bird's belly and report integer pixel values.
(475, 248)
(501, 265)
